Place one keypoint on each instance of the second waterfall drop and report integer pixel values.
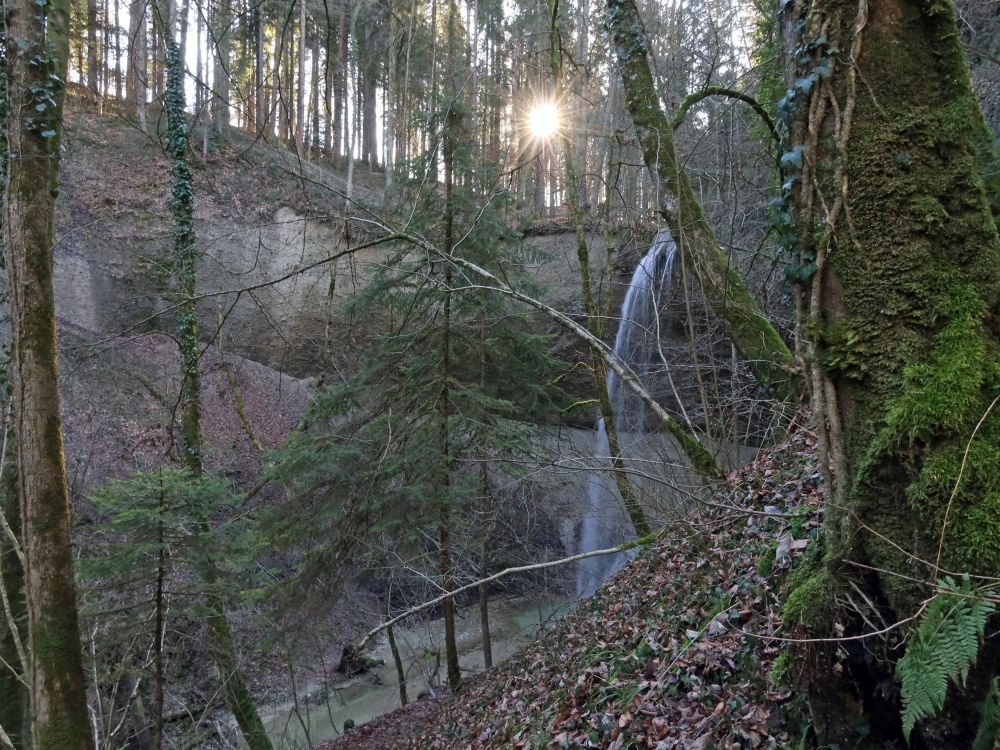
(606, 524)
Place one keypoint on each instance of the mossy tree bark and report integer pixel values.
(902, 315)
(37, 56)
(14, 697)
(13, 631)
(185, 257)
(725, 291)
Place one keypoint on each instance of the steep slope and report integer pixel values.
(682, 649)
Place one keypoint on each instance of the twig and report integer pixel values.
(958, 480)
(497, 576)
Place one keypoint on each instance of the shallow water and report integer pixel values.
(514, 623)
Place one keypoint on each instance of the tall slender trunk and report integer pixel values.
(93, 54)
(397, 658)
(182, 24)
(259, 94)
(118, 51)
(314, 96)
(301, 92)
(288, 99)
(484, 563)
(389, 99)
(444, 397)
(582, 118)
(328, 110)
(155, 63)
(159, 602)
(37, 58)
(444, 409)
(185, 256)
(368, 125)
(432, 105)
(135, 86)
(279, 107)
(14, 696)
(220, 39)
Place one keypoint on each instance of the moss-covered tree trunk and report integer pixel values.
(725, 291)
(185, 256)
(892, 213)
(37, 50)
(13, 631)
(14, 698)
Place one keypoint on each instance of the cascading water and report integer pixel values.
(606, 524)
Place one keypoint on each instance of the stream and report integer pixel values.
(324, 707)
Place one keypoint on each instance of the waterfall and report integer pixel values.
(606, 524)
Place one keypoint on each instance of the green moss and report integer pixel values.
(765, 565)
(929, 214)
(782, 670)
(941, 392)
(810, 597)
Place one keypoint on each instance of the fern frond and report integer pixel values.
(989, 724)
(943, 650)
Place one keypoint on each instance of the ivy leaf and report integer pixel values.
(823, 69)
(794, 157)
(805, 84)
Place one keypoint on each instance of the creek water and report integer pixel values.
(324, 707)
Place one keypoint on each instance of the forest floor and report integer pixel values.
(681, 649)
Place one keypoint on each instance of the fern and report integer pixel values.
(989, 725)
(943, 649)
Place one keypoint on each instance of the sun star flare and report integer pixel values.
(543, 120)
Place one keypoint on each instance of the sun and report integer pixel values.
(543, 120)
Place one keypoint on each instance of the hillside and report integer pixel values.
(682, 649)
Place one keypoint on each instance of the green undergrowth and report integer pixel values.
(682, 646)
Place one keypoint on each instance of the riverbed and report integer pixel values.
(323, 709)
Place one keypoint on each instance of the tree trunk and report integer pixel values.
(328, 115)
(484, 607)
(444, 397)
(135, 83)
(259, 97)
(340, 86)
(894, 226)
(185, 256)
(118, 51)
(93, 55)
(220, 38)
(368, 125)
(37, 65)
(14, 698)
(725, 291)
(314, 97)
(183, 21)
(397, 659)
(301, 92)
